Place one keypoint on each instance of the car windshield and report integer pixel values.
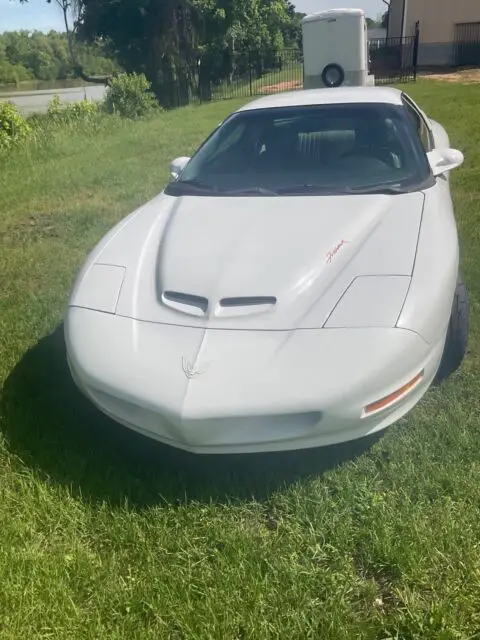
(340, 148)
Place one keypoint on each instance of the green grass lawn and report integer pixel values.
(104, 534)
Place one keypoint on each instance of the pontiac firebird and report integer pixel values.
(296, 284)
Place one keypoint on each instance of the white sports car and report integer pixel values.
(295, 285)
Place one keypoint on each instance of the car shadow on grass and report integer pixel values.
(56, 431)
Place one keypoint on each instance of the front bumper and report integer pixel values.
(224, 391)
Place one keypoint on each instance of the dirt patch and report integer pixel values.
(465, 75)
(282, 86)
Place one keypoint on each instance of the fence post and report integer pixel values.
(250, 73)
(415, 49)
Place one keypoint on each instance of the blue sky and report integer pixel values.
(37, 14)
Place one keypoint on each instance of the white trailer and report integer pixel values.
(335, 49)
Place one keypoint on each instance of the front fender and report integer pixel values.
(429, 301)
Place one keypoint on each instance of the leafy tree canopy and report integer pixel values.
(35, 55)
(170, 40)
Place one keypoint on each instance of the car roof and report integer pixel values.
(340, 95)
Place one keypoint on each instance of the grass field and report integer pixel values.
(105, 535)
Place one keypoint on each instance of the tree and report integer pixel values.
(73, 7)
(176, 42)
(374, 24)
(38, 56)
(154, 37)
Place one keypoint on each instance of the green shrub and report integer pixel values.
(13, 74)
(129, 95)
(83, 110)
(13, 126)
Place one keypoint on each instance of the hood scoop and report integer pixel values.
(240, 306)
(185, 302)
(225, 308)
(248, 301)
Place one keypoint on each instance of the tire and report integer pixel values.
(457, 335)
(341, 76)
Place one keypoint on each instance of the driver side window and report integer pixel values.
(419, 124)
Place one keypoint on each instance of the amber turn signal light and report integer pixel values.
(383, 403)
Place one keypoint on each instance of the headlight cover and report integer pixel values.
(370, 301)
(99, 289)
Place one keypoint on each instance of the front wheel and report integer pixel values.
(457, 335)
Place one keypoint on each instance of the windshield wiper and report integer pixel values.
(193, 185)
(340, 190)
(378, 188)
(306, 188)
(250, 191)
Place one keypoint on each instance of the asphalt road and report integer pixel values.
(37, 101)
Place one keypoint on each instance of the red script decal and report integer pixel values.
(335, 250)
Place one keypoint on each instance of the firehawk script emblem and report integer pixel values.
(191, 371)
(331, 254)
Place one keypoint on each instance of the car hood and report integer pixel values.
(256, 262)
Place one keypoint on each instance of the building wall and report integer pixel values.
(395, 19)
(437, 18)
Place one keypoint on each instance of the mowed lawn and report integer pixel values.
(105, 535)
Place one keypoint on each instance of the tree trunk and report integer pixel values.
(77, 68)
(170, 61)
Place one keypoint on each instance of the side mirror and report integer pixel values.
(177, 166)
(444, 160)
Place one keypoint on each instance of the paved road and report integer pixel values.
(37, 101)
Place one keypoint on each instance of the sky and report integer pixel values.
(37, 14)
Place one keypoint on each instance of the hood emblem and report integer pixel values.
(190, 370)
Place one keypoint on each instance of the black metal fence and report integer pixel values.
(394, 59)
(245, 74)
(253, 73)
(461, 52)
(241, 74)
